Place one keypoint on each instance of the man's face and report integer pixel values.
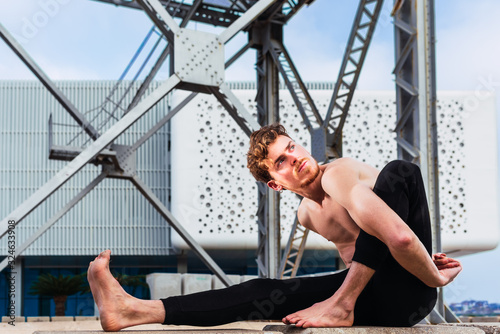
(291, 166)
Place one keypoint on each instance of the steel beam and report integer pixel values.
(427, 109)
(238, 112)
(162, 13)
(158, 205)
(294, 250)
(32, 238)
(295, 85)
(268, 213)
(406, 78)
(145, 84)
(350, 70)
(427, 122)
(244, 49)
(191, 96)
(163, 121)
(214, 14)
(249, 16)
(45, 80)
(416, 99)
(87, 155)
(163, 21)
(194, 7)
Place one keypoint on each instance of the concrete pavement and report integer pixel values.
(247, 327)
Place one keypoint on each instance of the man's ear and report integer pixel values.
(274, 186)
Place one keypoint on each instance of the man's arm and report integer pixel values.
(376, 218)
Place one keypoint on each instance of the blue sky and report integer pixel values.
(88, 40)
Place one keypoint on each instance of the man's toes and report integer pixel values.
(106, 254)
(300, 323)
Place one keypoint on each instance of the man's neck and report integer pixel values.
(313, 191)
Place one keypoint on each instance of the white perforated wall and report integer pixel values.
(215, 197)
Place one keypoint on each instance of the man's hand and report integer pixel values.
(331, 312)
(448, 268)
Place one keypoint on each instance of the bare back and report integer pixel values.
(330, 219)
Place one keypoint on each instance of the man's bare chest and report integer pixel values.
(333, 222)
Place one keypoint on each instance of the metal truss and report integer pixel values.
(267, 98)
(294, 250)
(219, 13)
(295, 85)
(357, 47)
(123, 157)
(118, 161)
(264, 21)
(416, 129)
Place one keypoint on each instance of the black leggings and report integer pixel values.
(393, 297)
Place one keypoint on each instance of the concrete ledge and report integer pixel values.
(480, 319)
(418, 329)
(17, 319)
(486, 327)
(86, 318)
(37, 319)
(62, 318)
(175, 331)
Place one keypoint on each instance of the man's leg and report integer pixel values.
(258, 299)
(253, 300)
(394, 296)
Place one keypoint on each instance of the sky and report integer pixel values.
(88, 40)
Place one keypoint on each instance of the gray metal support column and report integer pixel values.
(268, 257)
(427, 111)
(416, 105)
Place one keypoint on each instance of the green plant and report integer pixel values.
(59, 288)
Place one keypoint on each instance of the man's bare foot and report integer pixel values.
(327, 313)
(118, 309)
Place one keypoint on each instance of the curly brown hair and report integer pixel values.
(257, 153)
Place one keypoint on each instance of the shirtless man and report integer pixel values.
(378, 220)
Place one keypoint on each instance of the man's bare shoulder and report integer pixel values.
(344, 173)
(339, 170)
(341, 163)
